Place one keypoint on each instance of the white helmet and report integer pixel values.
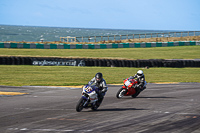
(140, 73)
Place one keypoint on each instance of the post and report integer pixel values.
(133, 36)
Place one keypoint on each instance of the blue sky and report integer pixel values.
(112, 14)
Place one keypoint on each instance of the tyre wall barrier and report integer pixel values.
(96, 46)
(44, 61)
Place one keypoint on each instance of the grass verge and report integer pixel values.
(19, 75)
(177, 52)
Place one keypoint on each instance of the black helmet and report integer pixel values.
(98, 77)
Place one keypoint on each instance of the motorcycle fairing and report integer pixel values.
(128, 83)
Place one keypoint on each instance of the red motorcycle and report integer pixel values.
(128, 89)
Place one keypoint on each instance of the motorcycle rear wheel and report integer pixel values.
(136, 94)
(97, 104)
(95, 107)
(120, 93)
(79, 105)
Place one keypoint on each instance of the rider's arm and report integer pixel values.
(142, 81)
(91, 81)
(133, 77)
(105, 87)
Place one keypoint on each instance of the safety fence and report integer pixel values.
(96, 46)
(128, 36)
(53, 61)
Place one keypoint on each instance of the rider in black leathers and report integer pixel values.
(101, 84)
(141, 85)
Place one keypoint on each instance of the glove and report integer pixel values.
(136, 86)
(103, 91)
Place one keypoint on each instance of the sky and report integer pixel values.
(107, 14)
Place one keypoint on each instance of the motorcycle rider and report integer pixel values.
(101, 84)
(141, 85)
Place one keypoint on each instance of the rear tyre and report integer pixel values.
(79, 105)
(97, 104)
(136, 94)
(120, 93)
(95, 107)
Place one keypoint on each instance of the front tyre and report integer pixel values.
(120, 93)
(80, 104)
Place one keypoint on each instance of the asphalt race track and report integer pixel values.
(161, 108)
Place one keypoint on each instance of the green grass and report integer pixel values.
(178, 52)
(18, 75)
(14, 75)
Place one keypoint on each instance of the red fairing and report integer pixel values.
(132, 80)
(131, 90)
(128, 89)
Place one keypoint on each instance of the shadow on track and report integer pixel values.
(119, 109)
(156, 97)
(127, 97)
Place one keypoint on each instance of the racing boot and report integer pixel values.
(143, 88)
(100, 98)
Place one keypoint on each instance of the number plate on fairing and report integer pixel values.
(127, 83)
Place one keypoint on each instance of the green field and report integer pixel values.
(179, 52)
(13, 75)
(21, 75)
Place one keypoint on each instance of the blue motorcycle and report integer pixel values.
(89, 98)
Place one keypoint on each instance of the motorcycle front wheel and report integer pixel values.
(120, 93)
(80, 104)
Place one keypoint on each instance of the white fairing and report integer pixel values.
(93, 96)
(83, 88)
(127, 83)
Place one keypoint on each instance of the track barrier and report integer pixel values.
(97, 46)
(91, 62)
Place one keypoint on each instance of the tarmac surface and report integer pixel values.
(161, 108)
